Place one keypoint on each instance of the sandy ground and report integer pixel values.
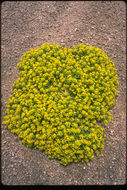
(26, 25)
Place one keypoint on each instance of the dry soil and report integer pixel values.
(28, 24)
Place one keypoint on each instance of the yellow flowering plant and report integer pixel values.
(61, 99)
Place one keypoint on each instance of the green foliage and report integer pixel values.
(59, 100)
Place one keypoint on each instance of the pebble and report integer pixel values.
(76, 29)
(81, 40)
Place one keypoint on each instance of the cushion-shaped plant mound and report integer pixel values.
(60, 100)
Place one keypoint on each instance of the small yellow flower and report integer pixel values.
(60, 96)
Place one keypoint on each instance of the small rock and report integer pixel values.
(76, 29)
(81, 40)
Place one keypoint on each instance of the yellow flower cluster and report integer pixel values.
(59, 100)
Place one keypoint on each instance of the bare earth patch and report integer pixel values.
(26, 25)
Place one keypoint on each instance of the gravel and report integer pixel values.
(25, 25)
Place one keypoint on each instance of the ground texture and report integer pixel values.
(26, 25)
